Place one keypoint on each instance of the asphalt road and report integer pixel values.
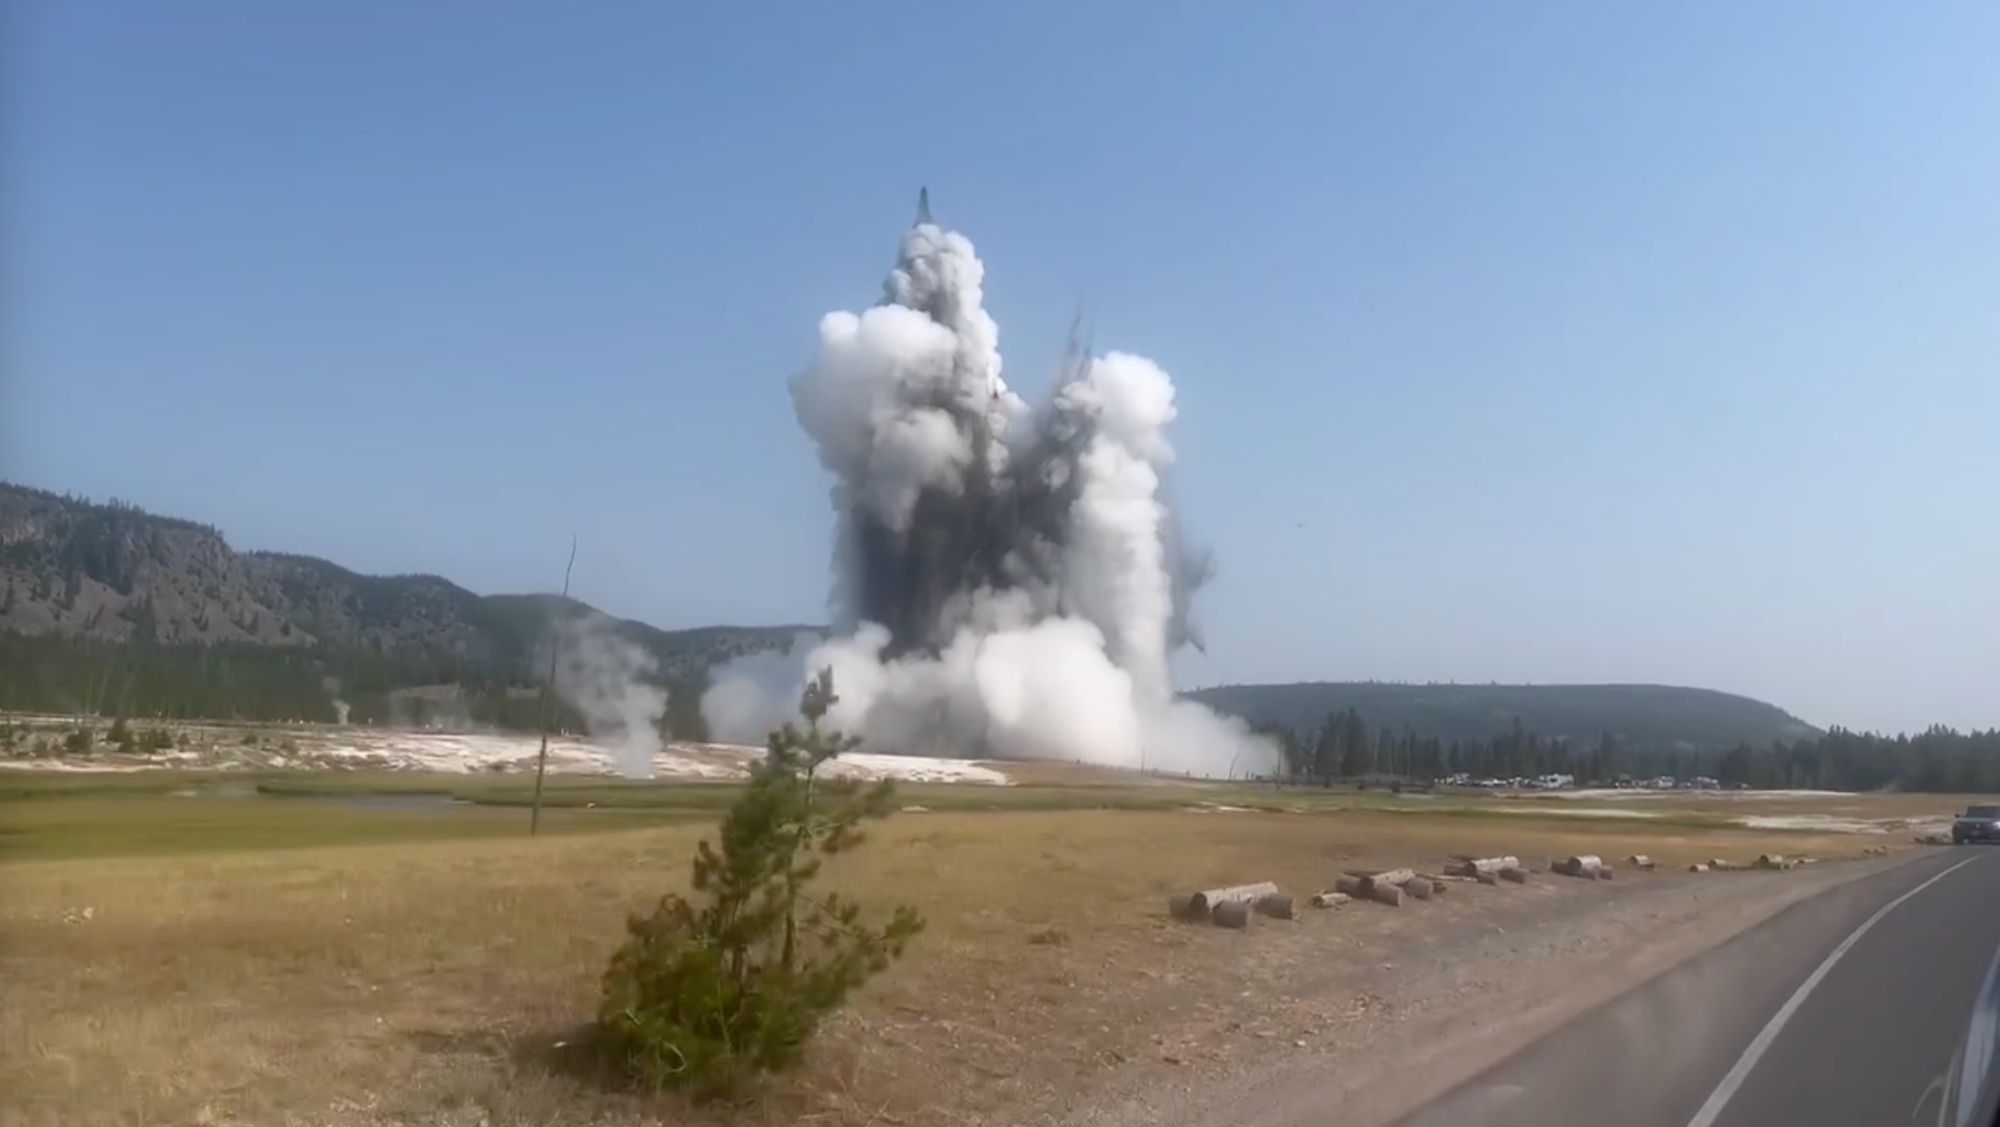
(1847, 1008)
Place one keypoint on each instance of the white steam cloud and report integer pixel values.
(607, 679)
(340, 707)
(1010, 582)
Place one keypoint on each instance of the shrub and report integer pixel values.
(78, 742)
(157, 739)
(710, 996)
(121, 735)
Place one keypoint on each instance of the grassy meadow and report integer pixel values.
(179, 947)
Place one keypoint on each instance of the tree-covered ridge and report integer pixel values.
(1662, 717)
(105, 608)
(240, 682)
(71, 568)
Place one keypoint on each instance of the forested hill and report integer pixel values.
(106, 608)
(1661, 717)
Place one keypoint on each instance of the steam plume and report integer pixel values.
(1008, 581)
(606, 678)
(340, 707)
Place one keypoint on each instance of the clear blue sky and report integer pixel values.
(1549, 342)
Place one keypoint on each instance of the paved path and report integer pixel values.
(1848, 1008)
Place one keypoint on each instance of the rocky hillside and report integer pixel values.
(73, 569)
(79, 579)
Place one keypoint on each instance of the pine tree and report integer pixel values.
(1356, 760)
(1326, 756)
(708, 998)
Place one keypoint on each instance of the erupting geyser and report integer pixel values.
(1008, 581)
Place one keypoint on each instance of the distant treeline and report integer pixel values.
(1652, 716)
(1939, 760)
(244, 682)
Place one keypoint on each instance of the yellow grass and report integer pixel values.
(427, 978)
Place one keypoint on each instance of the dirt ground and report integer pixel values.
(445, 981)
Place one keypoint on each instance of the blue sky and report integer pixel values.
(1546, 342)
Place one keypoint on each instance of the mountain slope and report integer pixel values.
(104, 606)
(1660, 717)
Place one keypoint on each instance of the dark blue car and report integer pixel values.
(1978, 823)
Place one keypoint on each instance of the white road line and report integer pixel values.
(1711, 1109)
(1980, 1034)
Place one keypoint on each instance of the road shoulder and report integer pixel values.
(1430, 1016)
(1653, 1054)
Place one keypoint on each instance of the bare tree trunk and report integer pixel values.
(1585, 866)
(1474, 866)
(1397, 877)
(791, 866)
(1276, 905)
(1232, 914)
(1203, 903)
(1371, 888)
(548, 684)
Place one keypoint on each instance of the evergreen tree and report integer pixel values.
(710, 997)
(1356, 759)
(1326, 757)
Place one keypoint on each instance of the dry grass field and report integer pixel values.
(223, 956)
